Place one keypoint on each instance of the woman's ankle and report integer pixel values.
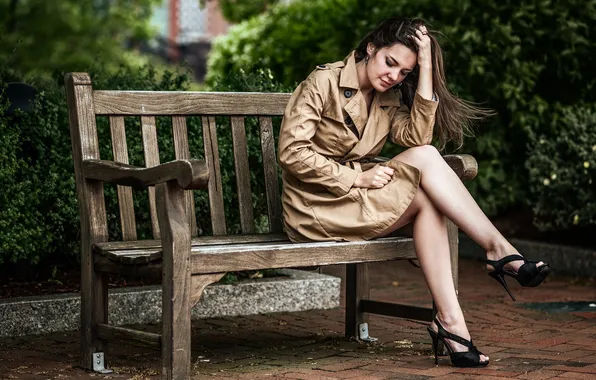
(499, 250)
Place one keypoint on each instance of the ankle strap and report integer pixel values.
(498, 264)
(456, 338)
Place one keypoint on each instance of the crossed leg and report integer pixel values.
(442, 194)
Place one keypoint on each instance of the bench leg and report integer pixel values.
(176, 282)
(94, 310)
(357, 289)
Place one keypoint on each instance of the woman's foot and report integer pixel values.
(513, 266)
(526, 273)
(455, 326)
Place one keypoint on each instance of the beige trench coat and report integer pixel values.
(327, 137)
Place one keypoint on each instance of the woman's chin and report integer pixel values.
(381, 88)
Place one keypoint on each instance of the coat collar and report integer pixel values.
(349, 75)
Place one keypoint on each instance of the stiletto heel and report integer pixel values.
(529, 274)
(435, 339)
(501, 280)
(470, 358)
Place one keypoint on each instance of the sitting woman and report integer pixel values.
(392, 86)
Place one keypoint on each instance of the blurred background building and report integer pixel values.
(185, 32)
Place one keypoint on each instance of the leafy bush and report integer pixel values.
(514, 57)
(39, 215)
(562, 167)
(238, 10)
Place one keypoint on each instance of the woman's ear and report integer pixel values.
(370, 49)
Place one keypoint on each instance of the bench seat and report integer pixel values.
(252, 252)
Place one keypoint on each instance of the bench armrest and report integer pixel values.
(464, 165)
(190, 174)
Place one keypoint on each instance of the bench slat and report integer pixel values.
(213, 259)
(271, 180)
(125, 201)
(182, 151)
(143, 251)
(151, 152)
(188, 103)
(216, 203)
(247, 222)
(262, 255)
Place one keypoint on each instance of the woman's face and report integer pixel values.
(389, 66)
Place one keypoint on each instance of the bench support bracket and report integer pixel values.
(99, 363)
(363, 333)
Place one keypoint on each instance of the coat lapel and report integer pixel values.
(375, 129)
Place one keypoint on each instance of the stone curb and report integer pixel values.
(142, 305)
(564, 260)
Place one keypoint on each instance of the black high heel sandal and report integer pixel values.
(529, 274)
(470, 358)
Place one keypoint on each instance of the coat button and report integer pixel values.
(348, 93)
(348, 120)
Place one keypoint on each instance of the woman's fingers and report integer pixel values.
(382, 176)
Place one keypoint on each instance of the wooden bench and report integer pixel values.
(187, 263)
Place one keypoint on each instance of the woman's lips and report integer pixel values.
(385, 83)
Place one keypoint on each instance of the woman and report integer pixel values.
(338, 119)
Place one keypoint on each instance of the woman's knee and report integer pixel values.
(421, 156)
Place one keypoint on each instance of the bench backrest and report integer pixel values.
(85, 105)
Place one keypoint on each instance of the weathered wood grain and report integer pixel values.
(198, 241)
(182, 151)
(247, 223)
(130, 336)
(153, 103)
(271, 180)
(85, 146)
(199, 283)
(211, 259)
(254, 256)
(464, 165)
(176, 283)
(125, 202)
(151, 153)
(189, 174)
(216, 203)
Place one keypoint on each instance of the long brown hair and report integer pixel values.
(455, 117)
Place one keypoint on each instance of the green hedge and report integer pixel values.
(39, 216)
(562, 167)
(516, 57)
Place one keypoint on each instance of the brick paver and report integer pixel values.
(522, 343)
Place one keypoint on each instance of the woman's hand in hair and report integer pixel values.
(424, 47)
(425, 76)
(374, 178)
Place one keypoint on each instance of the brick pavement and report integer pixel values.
(522, 343)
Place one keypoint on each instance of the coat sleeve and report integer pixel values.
(300, 122)
(414, 127)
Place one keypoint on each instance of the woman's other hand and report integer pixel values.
(374, 178)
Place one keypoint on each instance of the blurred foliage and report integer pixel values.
(39, 215)
(562, 167)
(41, 36)
(517, 57)
(238, 10)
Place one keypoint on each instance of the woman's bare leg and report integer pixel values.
(432, 248)
(451, 198)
